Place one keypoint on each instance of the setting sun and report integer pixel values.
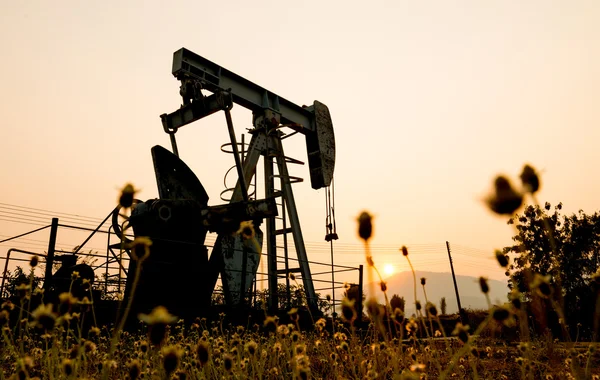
(388, 269)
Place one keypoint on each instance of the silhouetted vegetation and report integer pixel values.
(561, 252)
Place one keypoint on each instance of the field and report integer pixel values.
(518, 339)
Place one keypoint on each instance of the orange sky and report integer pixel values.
(430, 100)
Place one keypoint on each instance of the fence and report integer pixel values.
(114, 263)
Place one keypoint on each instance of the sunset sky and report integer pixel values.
(429, 100)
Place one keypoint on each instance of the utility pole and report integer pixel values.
(460, 310)
(50, 254)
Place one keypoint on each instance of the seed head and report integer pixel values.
(270, 323)
(348, 310)
(126, 196)
(23, 290)
(246, 230)
(542, 285)
(227, 362)
(159, 315)
(383, 286)
(431, 309)
(500, 313)
(251, 347)
(423, 281)
(140, 248)
(515, 298)
(44, 317)
(203, 352)
(4, 316)
(135, 369)
(158, 320)
(418, 305)
(67, 367)
(502, 258)
(505, 200)
(530, 179)
(404, 250)
(171, 356)
(483, 284)
(398, 315)
(462, 332)
(33, 262)
(8, 306)
(365, 227)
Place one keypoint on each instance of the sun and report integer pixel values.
(388, 269)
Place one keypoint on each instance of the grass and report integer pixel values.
(55, 342)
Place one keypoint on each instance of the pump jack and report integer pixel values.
(179, 220)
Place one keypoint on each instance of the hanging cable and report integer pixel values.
(331, 235)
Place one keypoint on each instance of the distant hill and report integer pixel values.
(440, 285)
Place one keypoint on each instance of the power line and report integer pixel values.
(53, 213)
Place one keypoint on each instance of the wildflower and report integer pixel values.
(270, 323)
(283, 330)
(171, 356)
(501, 258)
(373, 308)
(303, 372)
(4, 315)
(293, 313)
(44, 317)
(67, 367)
(23, 290)
(398, 315)
(542, 285)
(530, 179)
(203, 352)
(246, 230)
(251, 347)
(89, 346)
(483, 284)
(135, 369)
(295, 336)
(431, 309)
(383, 286)
(301, 348)
(227, 362)
(66, 301)
(126, 196)
(33, 262)
(462, 332)
(411, 326)
(158, 320)
(348, 310)
(500, 313)
(505, 200)
(365, 227)
(8, 306)
(140, 248)
(74, 352)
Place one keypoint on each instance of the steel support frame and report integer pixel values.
(267, 143)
